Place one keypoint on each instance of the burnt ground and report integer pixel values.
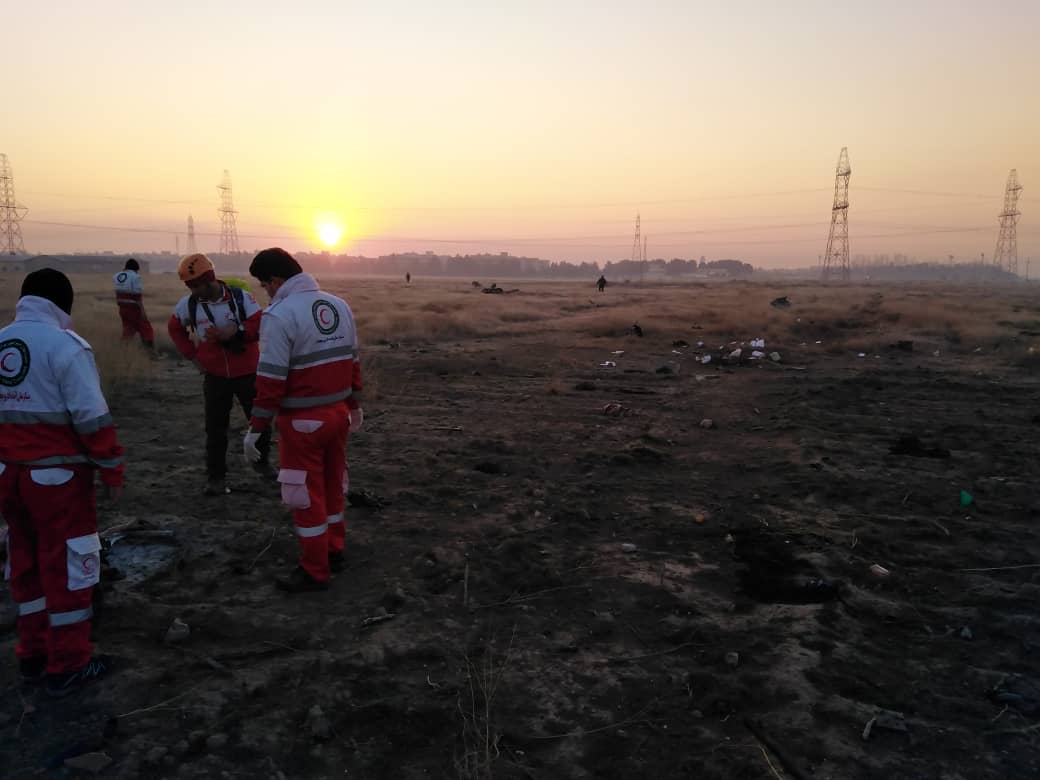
(518, 633)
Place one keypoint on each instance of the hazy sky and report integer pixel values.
(541, 130)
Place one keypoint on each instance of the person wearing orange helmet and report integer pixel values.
(217, 326)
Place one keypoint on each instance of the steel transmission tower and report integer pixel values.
(228, 230)
(10, 213)
(1006, 256)
(637, 248)
(192, 247)
(836, 261)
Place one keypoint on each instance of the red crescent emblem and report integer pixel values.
(3, 362)
(323, 315)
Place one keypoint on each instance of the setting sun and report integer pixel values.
(330, 234)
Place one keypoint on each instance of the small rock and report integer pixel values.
(89, 762)
(216, 741)
(774, 356)
(318, 723)
(177, 632)
(707, 423)
(732, 658)
(628, 547)
(966, 633)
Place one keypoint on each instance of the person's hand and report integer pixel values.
(249, 448)
(357, 419)
(112, 492)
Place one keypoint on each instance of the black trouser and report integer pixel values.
(220, 393)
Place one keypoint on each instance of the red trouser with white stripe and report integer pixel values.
(135, 321)
(54, 558)
(312, 455)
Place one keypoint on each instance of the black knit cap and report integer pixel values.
(132, 265)
(50, 284)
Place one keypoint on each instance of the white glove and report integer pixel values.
(357, 419)
(249, 446)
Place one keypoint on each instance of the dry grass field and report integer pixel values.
(551, 591)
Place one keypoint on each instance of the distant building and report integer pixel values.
(81, 264)
(11, 265)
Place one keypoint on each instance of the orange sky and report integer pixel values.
(540, 130)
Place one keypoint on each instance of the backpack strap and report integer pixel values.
(238, 308)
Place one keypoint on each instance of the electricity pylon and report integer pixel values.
(192, 248)
(10, 213)
(836, 261)
(1006, 256)
(228, 229)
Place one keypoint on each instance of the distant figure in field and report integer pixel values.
(601, 283)
(408, 277)
(129, 294)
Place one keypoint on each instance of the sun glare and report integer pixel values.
(330, 234)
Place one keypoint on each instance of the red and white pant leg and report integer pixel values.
(55, 559)
(311, 452)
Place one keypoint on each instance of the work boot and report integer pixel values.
(33, 670)
(299, 581)
(337, 561)
(59, 685)
(215, 487)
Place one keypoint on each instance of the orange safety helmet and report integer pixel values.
(194, 266)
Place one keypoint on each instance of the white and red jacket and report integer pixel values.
(128, 288)
(214, 358)
(308, 353)
(52, 411)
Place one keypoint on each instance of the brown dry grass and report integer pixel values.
(846, 319)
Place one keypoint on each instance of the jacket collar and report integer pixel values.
(302, 282)
(33, 308)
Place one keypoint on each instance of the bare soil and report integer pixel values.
(551, 592)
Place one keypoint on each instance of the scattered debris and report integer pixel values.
(89, 762)
(781, 302)
(706, 359)
(878, 570)
(318, 724)
(757, 354)
(608, 364)
(380, 618)
(966, 633)
(912, 446)
(732, 659)
(637, 330)
(617, 409)
(707, 423)
(759, 343)
(1021, 693)
(680, 343)
(177, 632)
(774, 356)
(365, 498)
(618, 352)
(966, 498)
(885, 719)
(628, 547)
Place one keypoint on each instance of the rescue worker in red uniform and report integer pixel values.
(55, 432)
(310, 376)
(129, 294)
(226, 322)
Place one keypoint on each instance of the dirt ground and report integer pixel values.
(549, 591)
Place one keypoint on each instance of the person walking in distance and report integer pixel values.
(310, 376)
(225, 323)
(55, 433)
(129, 299)
(601, 283)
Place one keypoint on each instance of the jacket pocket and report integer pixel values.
(50, 476)
(84, 561)
(306, 426)
(294, 488)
